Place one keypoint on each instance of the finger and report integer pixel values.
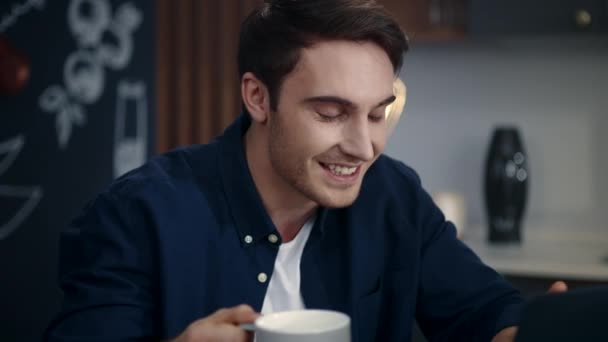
(229, 332)
(506, 334)
(219, 332)
(239, 314)
(558, 287)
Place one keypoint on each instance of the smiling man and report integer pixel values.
(293, 207)
(328, 126)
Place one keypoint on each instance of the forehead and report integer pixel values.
(359, 71)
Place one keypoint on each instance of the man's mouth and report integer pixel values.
(341, 170)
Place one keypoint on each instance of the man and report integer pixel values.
(294, 206)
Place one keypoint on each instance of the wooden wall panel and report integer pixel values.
(163, 35)
(198, 90)
(184, 87)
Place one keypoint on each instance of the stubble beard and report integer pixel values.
(293, 171)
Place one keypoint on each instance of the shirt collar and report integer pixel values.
(243, 198)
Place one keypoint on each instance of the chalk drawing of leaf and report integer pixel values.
(26, 198)
(9, 151)
(16, 202)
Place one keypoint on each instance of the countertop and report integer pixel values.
(580, 254)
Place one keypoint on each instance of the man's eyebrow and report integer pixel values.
(387, 101)
(344, 102)
(330, 99)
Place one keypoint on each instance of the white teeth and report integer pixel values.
(341, 170)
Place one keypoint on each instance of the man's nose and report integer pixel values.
(357, 140)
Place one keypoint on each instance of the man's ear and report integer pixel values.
(255, 97)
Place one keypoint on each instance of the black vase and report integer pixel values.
(506, 185)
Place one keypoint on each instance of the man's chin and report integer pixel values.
(336, 201)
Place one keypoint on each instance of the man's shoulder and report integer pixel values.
(389, 172)
(390, 181)
(180, 169)
(171, 194)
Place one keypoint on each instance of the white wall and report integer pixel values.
(555, 90)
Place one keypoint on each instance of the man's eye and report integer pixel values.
(328, 117)
(377, 117)
(329, 113)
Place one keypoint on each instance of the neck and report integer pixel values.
(288, 209)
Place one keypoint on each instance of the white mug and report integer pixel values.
(303, 326)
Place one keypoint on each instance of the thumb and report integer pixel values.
(558, 287)
(235, 315)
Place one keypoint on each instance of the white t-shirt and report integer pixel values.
(283, 291)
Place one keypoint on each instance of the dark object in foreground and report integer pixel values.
(576, 315)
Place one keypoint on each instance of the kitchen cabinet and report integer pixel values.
(538, 17)
(430, 19)
(425, 20)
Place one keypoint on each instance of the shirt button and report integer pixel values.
(262, 277)
(248, 239)
(273, 238)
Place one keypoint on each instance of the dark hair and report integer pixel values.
(273, 35)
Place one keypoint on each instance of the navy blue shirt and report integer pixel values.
(187, 234)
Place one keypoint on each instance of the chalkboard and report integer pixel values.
(84, 118)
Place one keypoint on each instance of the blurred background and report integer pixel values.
(90, 89)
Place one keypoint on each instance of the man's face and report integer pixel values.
(329, 126)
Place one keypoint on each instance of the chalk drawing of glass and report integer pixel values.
(16, 202)
(131, 127)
